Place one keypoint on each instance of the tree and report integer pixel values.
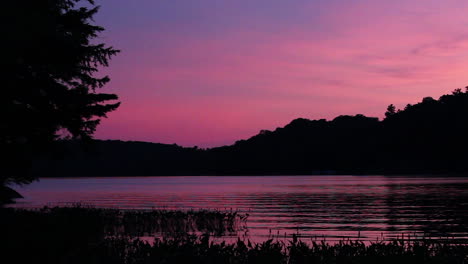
(391, 110)
(49, 82)
(430, 99)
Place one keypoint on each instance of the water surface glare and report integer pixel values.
(314, 206)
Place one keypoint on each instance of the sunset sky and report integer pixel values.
(210, 72)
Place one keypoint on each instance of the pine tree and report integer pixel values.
(49, 85)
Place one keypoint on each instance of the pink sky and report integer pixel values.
(209, 72)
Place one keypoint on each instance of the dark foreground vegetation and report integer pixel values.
(200, 250)
(427, 137)
(89, 235)
(88, 221)
(50, 88)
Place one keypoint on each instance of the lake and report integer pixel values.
(330, 207)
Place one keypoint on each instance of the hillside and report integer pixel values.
(428, 137)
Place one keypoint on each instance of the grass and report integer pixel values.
(200, 250)
(115, 222)
(90, 235)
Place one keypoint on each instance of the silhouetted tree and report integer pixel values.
(429, 99)
(49, 83)
(391, 110)
(426, 137)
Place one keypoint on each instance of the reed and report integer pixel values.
(199, 249)
(133, 223)
(90, 235)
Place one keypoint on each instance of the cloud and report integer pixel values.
(223, 70)
(447, 47)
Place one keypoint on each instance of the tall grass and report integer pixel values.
(200, 250)
(114, 222)
(89, 235)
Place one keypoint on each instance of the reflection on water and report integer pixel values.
(314, 206)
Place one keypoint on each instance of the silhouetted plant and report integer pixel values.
(426, 137)
(92, 235)
(391, 110)
(115, 222)
(49, 79)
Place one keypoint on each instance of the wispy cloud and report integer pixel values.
(217, 71)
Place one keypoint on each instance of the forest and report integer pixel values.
(425, 138)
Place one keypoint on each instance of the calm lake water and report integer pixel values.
(315, 206)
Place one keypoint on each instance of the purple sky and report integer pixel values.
(209, 72)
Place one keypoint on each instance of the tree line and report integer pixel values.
(50, 105)
(425, 138)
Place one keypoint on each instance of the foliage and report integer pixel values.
(114, 222)
(426, 137)
(391, 110)
(49, 80)
(75, 235)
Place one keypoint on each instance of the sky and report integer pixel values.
(209, 72)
